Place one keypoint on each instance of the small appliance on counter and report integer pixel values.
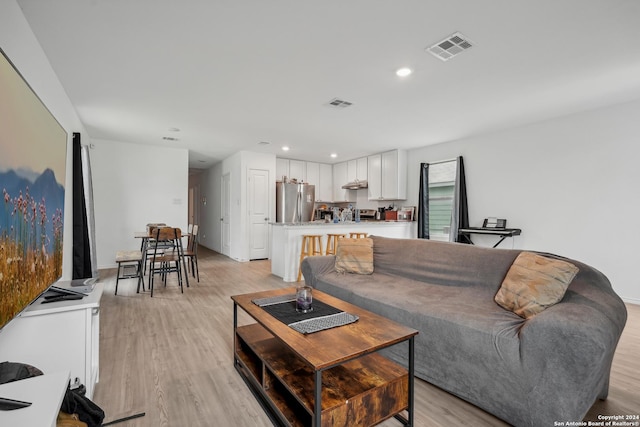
(401, 214)
(405, 214)
(323, 212)
(368, 214)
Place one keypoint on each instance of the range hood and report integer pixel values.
(356, 185)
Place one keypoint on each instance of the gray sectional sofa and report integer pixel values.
(551, 367)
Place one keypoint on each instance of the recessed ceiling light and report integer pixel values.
(285, 148)
(334, 155)
(403, 72)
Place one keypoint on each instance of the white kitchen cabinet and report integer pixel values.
(374, 164)
(292, 169)
(313, 174)
(340, 178)
(362, 173)
(388, 175)
(297, 170)
(357, 169)
(352, 170)
(320, 176)
(282, 168)
(324, 188)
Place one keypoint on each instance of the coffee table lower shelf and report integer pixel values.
(362, 392)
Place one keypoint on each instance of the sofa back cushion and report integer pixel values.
(442, 263)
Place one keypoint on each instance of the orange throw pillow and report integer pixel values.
(354, 256)
(534, 283)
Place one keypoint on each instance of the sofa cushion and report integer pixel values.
(442, 263)
(354, 256)
(534, 283)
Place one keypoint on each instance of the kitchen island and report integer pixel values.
(287, 239)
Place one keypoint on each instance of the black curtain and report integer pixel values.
(81, 249)
(460, 212)
(423, 202)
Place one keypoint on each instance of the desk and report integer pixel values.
(45, 392)
(465, 233)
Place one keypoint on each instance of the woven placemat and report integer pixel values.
(287, 314)
(317, 324)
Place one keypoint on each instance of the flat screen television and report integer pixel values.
(33, 153)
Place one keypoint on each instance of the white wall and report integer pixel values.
(133, 185)
(570, 184)
(21, 46)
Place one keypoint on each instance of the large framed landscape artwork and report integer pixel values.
(33, 151)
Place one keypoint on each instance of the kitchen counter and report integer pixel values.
(287, 239)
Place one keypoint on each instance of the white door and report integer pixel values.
(258, 193)
(226, 214)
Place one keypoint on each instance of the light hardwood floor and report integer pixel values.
(170, 356)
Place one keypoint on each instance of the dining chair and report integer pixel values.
(151, 247)
(165, 259)
(191, 253)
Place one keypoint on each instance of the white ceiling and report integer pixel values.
(230, 74)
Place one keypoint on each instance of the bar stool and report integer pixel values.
(357, 235)
(311, 245)
(332, 243)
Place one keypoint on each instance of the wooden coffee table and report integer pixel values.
(327, 378)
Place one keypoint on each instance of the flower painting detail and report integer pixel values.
(32, 165)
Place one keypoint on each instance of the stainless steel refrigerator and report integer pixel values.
(294, 202)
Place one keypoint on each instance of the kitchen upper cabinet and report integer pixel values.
(340, 178)
(324, 188)
(362, 174)
(297, 170)
(282, 168)
(357, 169)
(292, 169)
(374, 163)
(352, 170)
(313, 174)
(388, 175)
(320, 176)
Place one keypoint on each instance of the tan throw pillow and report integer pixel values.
(534, 283)
(354, 256)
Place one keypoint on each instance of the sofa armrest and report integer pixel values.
(315, 266)
(566, 352)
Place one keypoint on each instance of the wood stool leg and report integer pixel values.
(303, 253)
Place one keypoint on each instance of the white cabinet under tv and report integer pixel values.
(60, 336)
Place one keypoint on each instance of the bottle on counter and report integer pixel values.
(349, 214)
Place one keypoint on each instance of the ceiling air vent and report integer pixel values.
(339, 103)
(450, 47)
